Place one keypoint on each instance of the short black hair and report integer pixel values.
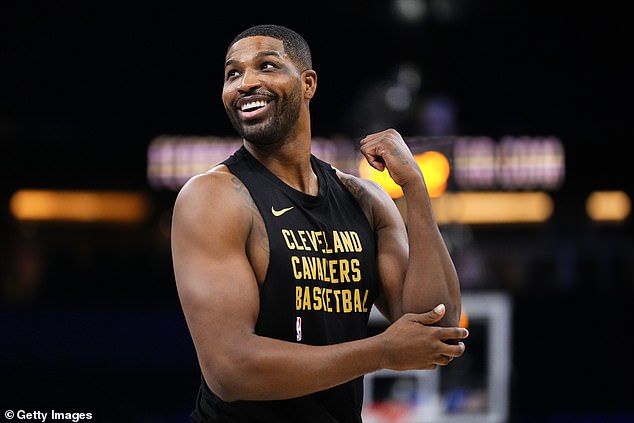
(294, 44)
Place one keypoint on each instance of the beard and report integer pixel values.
(273, 128)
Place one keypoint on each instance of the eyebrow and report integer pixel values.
(260, 54)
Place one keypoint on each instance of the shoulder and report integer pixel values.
(213, 196)
(209, 185)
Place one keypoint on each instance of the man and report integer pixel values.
(279, 257)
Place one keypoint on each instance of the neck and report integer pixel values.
(289, 160)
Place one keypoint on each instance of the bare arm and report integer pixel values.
(424, 265)
(211, 233)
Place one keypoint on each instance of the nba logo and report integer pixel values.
(298, 328)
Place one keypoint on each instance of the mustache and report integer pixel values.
(255, 93)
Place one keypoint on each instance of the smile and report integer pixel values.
(253, 105)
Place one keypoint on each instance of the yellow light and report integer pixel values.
(79, 206)
(435, 168)
(382, 178)
(492, 207)
(607, 206)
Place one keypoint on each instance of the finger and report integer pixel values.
(367, 139)
(374, 158)
(372, 137)
(443, 360)
(378, 163)
(456, 350)
(431, 316)
(454, 333)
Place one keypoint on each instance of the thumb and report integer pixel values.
(432, 316)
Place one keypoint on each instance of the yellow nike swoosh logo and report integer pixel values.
(278, 213)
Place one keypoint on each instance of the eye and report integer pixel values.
(268, 66)
(231, 73)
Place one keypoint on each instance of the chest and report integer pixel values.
(326, 245)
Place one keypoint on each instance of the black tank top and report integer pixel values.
(319, 288)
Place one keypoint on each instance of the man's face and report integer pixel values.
(262, 92)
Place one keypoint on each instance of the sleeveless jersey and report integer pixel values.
(319, 287)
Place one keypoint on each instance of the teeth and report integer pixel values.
(253, 105)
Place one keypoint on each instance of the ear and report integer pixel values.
(309, 78)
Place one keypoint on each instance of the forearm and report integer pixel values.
(431, 277)
(269, 369)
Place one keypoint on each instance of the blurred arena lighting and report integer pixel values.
(439, 115)
(79, 206)
(477, 163)
(472, 180)
(608, 206)
(436, 169)
(398, 97)
(512, 163)
(172, 160)
(410, 10)
(409, 74)
(433, 164)
(493, 207)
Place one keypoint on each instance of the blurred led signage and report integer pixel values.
(449, 163)
(512, 163)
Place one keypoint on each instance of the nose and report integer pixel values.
(248, 82)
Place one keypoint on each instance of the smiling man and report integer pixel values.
(279, 257)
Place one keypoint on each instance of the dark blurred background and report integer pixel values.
(90, 319)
